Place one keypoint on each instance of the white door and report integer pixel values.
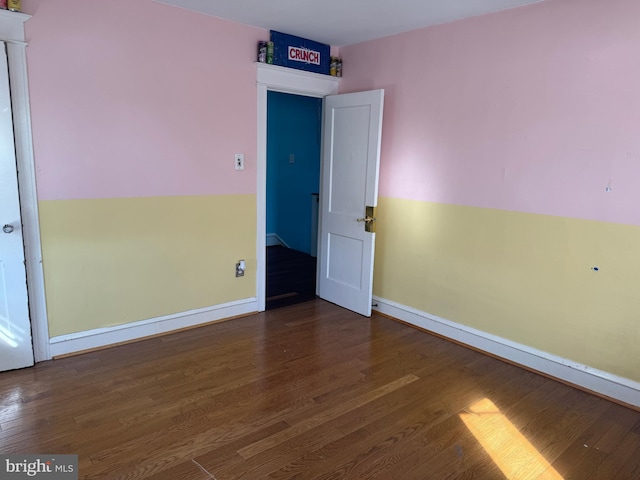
(16, 349)
(350, 165)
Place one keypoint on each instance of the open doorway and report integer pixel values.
(294, 136)
(278, 79)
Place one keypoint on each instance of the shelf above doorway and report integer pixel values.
(289, 79)
(12, 25)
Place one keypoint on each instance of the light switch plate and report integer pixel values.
(239, 161)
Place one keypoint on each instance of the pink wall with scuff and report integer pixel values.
(136, 98)
(534, 109)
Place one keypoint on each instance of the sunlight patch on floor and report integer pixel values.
(507, 447)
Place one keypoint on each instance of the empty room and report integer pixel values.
(461, 193)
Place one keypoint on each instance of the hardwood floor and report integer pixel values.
(311, 391)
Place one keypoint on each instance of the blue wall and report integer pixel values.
(293, 127)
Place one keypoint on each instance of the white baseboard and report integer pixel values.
(583, 376)
(273, 239)
(102, 337)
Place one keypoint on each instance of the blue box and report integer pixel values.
(296, 52)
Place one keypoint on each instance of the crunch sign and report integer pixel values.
(298, 54)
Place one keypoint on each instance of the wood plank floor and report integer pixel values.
(312, 391)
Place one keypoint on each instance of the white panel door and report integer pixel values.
(350, 165)
(16, 348)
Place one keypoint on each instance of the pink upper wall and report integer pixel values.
(136, 98)
(534, 109)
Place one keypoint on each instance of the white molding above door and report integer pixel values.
(289, 80)
(285, 80)
(12, 26)
(12, 32)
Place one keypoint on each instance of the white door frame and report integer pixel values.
(285, 80)
(12, 33)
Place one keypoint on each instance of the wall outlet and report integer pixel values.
(240, 268)
(239, 161)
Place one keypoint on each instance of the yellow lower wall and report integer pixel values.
(114, 261)
(524, 277)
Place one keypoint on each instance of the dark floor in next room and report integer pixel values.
(291, 277)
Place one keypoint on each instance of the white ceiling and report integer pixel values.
(344, 22)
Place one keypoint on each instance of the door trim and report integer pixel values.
(285, 80)
(12, 32)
